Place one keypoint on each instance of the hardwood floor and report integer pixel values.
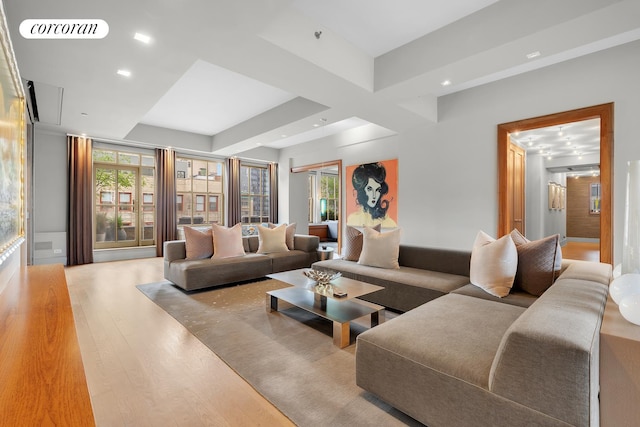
(581, 250)
(41, 372)
(143, 368)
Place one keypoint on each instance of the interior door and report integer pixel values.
(516, 163)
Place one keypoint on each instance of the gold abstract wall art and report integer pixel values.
(12, 140)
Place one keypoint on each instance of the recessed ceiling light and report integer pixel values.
(446, 83)
(315, 125)
(142, 38)
(125, 73)
(283, 136)
(532, 55)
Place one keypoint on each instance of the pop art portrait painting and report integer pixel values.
(372, 194)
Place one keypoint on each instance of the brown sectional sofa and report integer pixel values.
(469, 358)
(204, 273)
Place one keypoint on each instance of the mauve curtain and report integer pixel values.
(234, 215)
(273, 192)
(166, 194)
(80, 213)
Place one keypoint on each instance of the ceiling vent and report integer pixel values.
(44, 102)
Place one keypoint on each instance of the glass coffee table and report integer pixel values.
(319, 300)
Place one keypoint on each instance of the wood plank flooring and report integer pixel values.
(581, 250)
(42, 379)
(143, 368)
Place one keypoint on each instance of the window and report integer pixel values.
(595, 198)
(324, 196)
(213, 203)
(200, 203)
(254, 194)
(124, 210)
(312, 197)
(329, 196)
(199, 181)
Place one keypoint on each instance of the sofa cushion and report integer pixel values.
(454, 335)
(353, 242)
(204, 273)
(515, 297)
(227, 242)
(380, 249)
(272, 240)
(198, 244)
(493, 264)
(404, 289)
(536, 264)
(291, 260)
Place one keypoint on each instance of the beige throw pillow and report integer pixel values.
(289, 237)
(380, 249)
(353, 243)
(493, 264)
(272, 240)
(198, 244)
(536, 262)
(227, 242)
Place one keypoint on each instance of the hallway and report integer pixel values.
(586, 251)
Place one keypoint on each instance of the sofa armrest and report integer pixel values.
(548, 358)
(306, 243)
(174, 250)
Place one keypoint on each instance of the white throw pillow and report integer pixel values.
(494, 264)
(227, 242)
(272, 240)
(380, 249)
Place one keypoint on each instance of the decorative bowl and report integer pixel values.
(625, 285)
(321, 277)
(630, 308)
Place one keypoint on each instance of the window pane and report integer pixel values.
(128, 159)
(183, 175)
(148, 161)
(104, 156)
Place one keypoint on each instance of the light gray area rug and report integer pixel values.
(287, 356)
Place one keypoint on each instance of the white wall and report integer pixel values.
(448, 170)
(540, 221)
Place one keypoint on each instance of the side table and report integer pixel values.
(619, 369)
(325, 254)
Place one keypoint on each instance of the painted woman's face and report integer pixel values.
(372, 190)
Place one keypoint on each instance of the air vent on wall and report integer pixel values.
(44, 102)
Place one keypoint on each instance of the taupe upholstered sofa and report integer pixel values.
(204, 273)
(460, 360)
